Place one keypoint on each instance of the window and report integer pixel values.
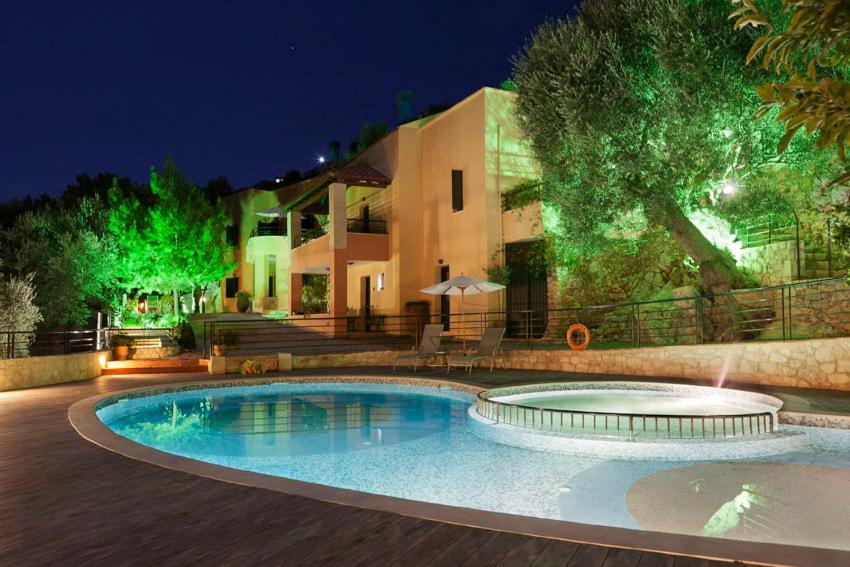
(232, 235)
(380, 284)
(272, 271)
(231, 286)
(457, 190)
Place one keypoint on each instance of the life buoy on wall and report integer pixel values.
(585, 332)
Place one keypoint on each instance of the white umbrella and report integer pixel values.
(462, 285)
(274, 212)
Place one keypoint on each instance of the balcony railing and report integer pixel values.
(367, 226)
(268, 229)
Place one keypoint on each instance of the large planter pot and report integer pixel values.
(121, 352)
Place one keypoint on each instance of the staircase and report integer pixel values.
(156, 366)
(818, 264)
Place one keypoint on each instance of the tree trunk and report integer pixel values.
(176, 302)
(717, 270)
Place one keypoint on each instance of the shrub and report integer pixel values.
(184, 335)
(243, 301)
(18, 312)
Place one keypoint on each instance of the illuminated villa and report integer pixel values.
(419, 206)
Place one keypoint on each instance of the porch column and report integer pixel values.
(295, 281)
(338, 229)
(293, 228)
(338, 285)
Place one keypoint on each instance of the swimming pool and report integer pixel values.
(420, 443)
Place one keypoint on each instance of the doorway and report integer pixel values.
(445, 304)
(526, 297)
(366, 296)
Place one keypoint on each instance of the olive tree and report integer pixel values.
(638, 112)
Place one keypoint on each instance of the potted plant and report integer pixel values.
(253, 366)
(243, 301)
(121, 346)
(224, 340)
(379, 320)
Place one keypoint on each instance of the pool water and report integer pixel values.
(417, 443)
(634, 403)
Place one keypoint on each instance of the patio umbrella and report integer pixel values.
(462, 285)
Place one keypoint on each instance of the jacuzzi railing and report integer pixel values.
(625, 425)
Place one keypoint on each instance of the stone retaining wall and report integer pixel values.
(18, 373)
(817, 363)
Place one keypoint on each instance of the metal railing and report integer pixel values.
(630, 426)
(268, 229)
(20, 344)
(816, 309)
(367, 226)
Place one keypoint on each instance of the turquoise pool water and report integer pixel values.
(419, 443)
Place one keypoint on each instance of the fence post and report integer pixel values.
(790, 317)
(637, 324)
(698, 321)
(782, 302)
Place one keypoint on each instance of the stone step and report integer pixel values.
(160, 366)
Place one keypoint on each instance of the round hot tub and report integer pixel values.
(632, 410)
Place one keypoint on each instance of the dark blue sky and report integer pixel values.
(245, 89)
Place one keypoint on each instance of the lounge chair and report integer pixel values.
(428, 347)
(488, 347)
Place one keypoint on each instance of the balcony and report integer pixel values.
(367, 226)
(268, 229)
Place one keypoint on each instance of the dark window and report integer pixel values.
(457, 190)
(231, 286)
(232, 235)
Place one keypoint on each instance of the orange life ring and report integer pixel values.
(574, 345)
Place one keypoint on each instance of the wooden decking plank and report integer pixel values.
(387, 548)
(432, 546)
(337, 549)
(588, 556)
(648, 559)
(622, 558)
(463, 548)
(526, 550)
(556, 553)
(493, 550)
(306, 539)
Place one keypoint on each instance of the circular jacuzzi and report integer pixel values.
(632, 410)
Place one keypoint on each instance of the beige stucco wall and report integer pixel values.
(18, 373)
(252, 254)
(818, 363)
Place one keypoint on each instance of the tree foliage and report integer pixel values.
(637, 111)
(810, 43)
(177, 243)
(70, 256)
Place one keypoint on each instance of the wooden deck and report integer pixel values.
(65, 501)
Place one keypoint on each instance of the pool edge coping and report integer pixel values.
(82, 417)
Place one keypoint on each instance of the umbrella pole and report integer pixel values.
(463, 317)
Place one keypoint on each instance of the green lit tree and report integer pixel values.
(639, 111)
(176, 243)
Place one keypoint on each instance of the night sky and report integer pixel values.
(247, 90)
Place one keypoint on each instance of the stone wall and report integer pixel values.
(820, 363)
(771, 264)
(18, 373)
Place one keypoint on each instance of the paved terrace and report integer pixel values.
(64, 500)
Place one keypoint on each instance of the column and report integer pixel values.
(294, 293)
(338, 229)
(293, 228)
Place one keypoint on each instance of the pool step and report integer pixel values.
(160, 366)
